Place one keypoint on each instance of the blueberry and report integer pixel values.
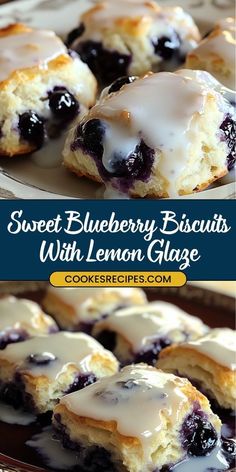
(105, 64)
(120, 82)
(32, 128)
(150, 354)
(98, 459)
(108, 397)
(74, 34)
(229, 129)
(63, 104)
(198, 435)
(134, 165)
(81, 381)
(11, 394)
(166, 47)
(43, 358)
(11, 336)
(129, 384)
(89, 137)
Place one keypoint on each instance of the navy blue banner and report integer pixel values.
(196, 237)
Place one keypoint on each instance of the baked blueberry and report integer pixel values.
(198, 435)
(129, 384)
(89, 138)
(117, 84)
(97, 459)
(32, 128)
(43, 358)
(166, 47)
(81, 381)
(105, 64)
(108, 396)
(229, 129)
(63, 104)
(136, 166)
(11, 394)
(74, 34)
(150, 355)
(12, 336)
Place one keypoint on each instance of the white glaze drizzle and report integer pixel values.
(219, 345)
(138, 411)
(92, 302)
(23, 314)
(225, 94)
(58, 457)
(160, 109)
(28, 49)
(215, 461)
(52, 451)
(10, 415)
(73, 349)
(140, 325)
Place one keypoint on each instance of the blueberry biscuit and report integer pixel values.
(138, 334)
(78, 308)
(37, 372)
(21, 319)
(164, 135)
(42, 88)
(216, 53)
(132, 38)
(138, 420)
(210, 362)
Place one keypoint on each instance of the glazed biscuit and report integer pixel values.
(210, 362)
(21, 319)
(36, 373)
(216, 53)
(132, 38)
(164, 135)
(78, 308)
(138, 420)
(42, 88)
(138, 334)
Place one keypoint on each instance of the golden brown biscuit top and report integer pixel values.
(135, 17)
(23, 48)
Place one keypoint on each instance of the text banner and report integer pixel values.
(41, 237)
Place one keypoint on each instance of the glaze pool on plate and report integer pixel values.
(38, 176)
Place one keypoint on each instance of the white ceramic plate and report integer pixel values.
(22, 177)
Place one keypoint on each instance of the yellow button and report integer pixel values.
(118, 279)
